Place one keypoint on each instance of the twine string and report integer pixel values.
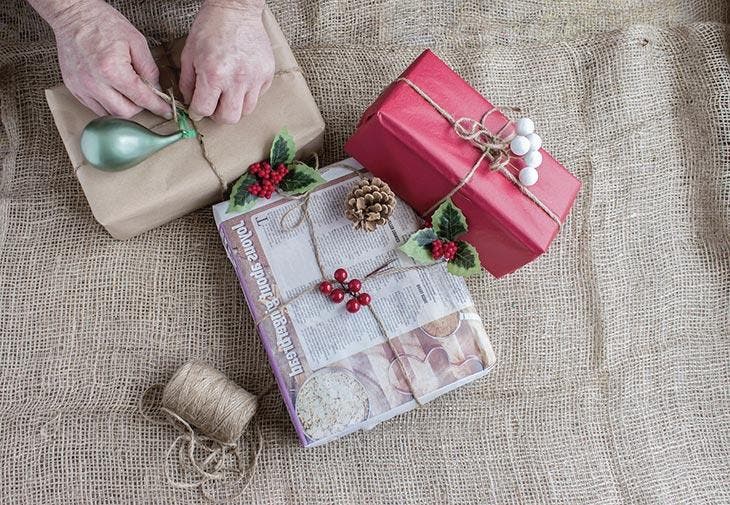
(381, 271)
(494, 147)
(173, 104)
(204, 151)
(169, 97)
(242, 472)
(217, 449)
(176, 105)
(211, 468)
(199, 394)
(304, 200)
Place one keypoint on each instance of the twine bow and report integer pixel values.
(493, 146)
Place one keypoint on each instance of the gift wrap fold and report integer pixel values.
(407, 141)
(178, 179)
(338, 372)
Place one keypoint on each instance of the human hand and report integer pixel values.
(227, 61)
(104, 60)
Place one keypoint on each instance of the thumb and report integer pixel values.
(187, 77)
(144, 64)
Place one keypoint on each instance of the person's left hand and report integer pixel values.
(227, 61)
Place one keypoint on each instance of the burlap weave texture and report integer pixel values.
(612, 385)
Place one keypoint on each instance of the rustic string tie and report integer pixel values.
(493, 146)
(176, 106)
(382, 271)
(211, 413)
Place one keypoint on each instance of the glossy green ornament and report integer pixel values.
(114, 144)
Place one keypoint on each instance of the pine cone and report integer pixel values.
(370, 204)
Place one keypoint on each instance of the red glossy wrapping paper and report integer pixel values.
(404, 140)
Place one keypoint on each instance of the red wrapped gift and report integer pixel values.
(430, 135)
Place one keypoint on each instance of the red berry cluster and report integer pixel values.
(352, 288)
(446, 250)
(267, 178)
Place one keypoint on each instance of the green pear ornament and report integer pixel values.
(113, 144)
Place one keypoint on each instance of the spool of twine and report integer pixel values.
(211, 413)
(208, 400)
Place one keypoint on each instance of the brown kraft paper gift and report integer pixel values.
(178, 180)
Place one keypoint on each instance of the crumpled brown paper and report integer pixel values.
(177, 180)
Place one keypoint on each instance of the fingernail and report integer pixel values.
(168, 115)
(195, 117)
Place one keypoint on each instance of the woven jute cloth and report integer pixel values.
(612, 385)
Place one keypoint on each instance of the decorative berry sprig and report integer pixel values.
(351, 288)
(267, 178)
(446, 250)
(437, 241)
(279, 173)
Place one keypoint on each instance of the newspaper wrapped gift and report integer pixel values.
(340, 372)
(178, 179)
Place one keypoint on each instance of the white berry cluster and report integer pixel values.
(527, 144)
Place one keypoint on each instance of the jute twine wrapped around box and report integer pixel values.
(176, 106)
(385, 270)
(493, 145)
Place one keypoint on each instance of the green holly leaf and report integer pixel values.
(466, 261)
(301, 179)
(417, 246)
(448, 221)
(283, 149)
(185, 125)
(424, 236)
(241, 199)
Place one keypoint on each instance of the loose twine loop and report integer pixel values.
(211, 413)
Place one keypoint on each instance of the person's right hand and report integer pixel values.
(104, 60)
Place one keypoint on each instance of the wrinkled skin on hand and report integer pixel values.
(227, 61)
(104, 60)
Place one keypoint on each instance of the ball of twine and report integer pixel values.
(211, 413)
(208, 400)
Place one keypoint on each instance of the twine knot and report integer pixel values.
(491, 144)
(176, 106)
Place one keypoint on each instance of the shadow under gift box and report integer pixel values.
(178, 180)
(405, 141)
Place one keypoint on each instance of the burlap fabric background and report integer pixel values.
(612, 385)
